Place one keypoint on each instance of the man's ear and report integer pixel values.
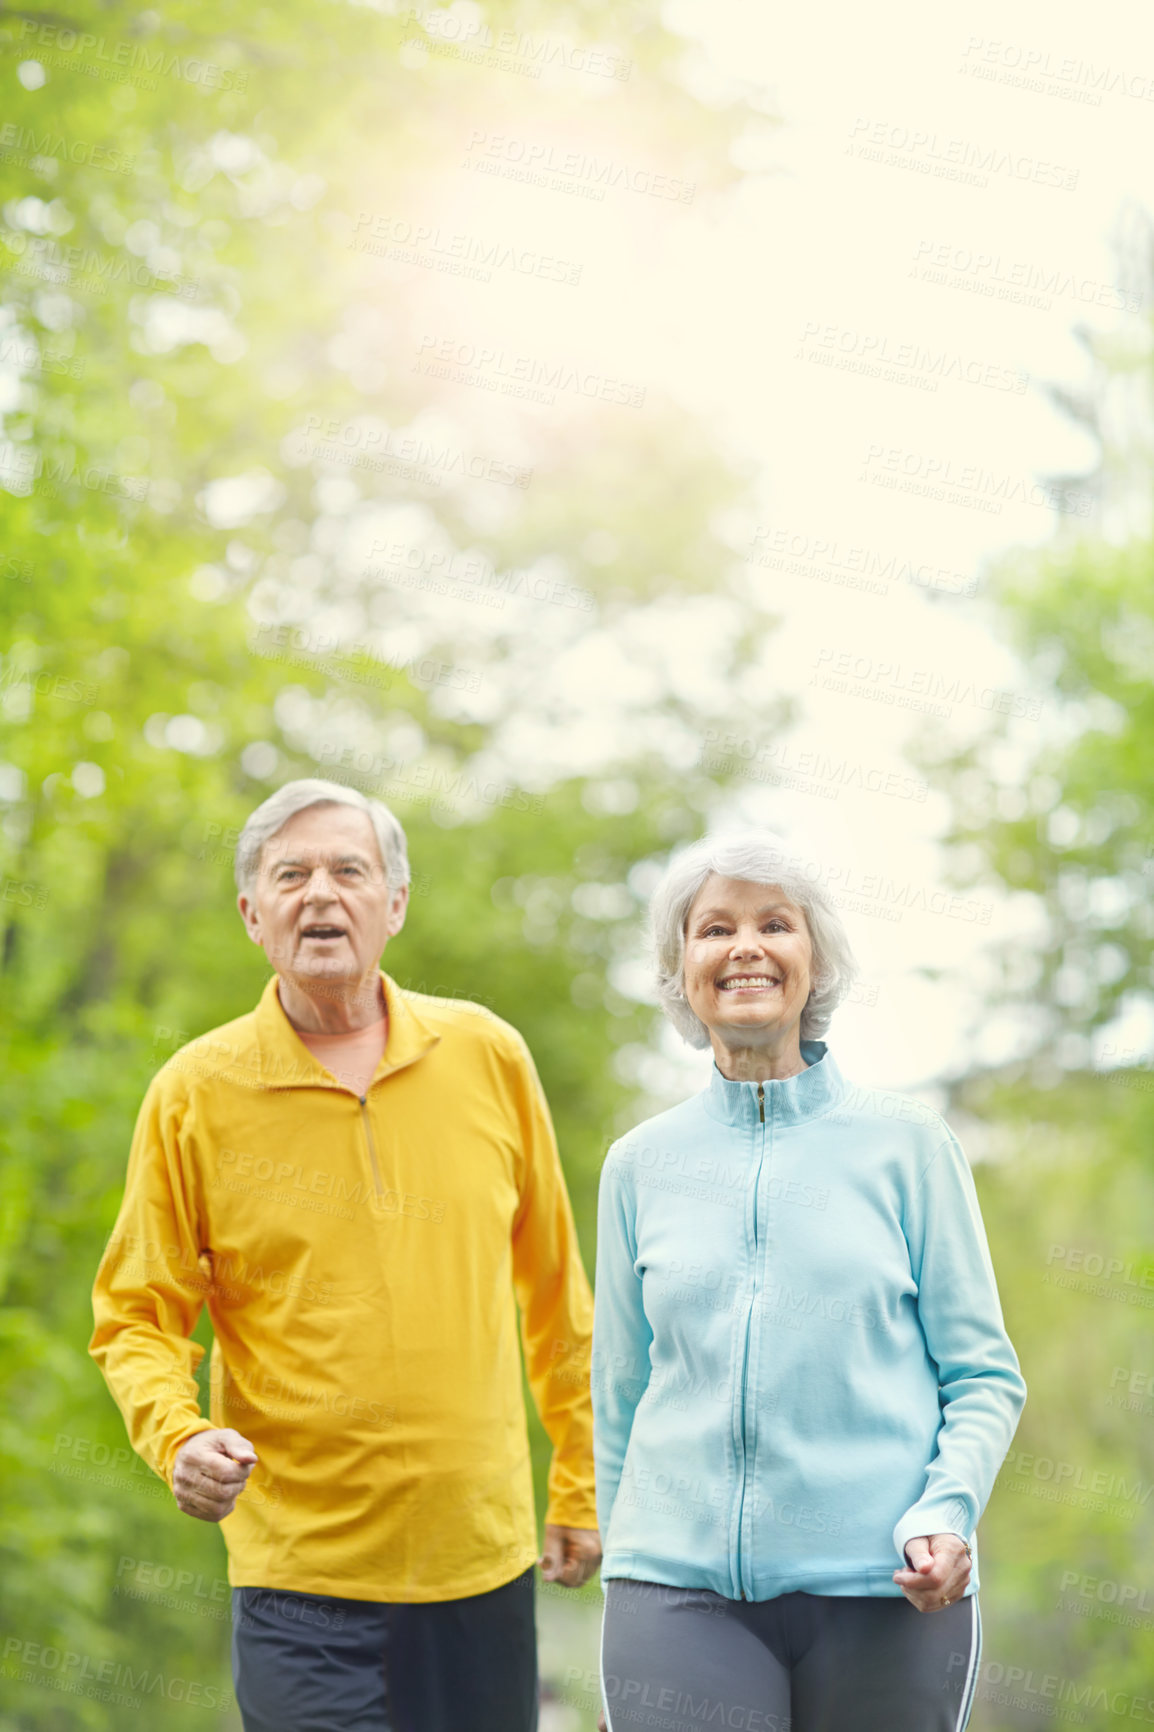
(398, 910)
(250, 916)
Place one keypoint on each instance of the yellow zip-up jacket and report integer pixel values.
(359, 1260)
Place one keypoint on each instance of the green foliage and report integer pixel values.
(1059, 814)
(184, 304)
(1062, 812)
(1067, 1542)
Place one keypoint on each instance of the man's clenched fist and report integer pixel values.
(570, 1556)
(210, 1472)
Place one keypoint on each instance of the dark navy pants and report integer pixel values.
(683, 1658)
(314, 1663)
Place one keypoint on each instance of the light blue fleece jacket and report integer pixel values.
(799, 1359)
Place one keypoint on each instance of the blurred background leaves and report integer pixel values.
(259, 519)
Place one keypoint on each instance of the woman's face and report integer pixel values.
(747, 961)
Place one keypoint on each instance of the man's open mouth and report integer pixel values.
(323, 932)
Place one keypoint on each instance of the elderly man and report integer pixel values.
(357, 1180)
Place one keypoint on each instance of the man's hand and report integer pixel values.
(210, 1472)
(939, 1572)
(571, 1555)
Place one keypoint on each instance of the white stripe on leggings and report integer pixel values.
(971, 1682)
(601, 1666)
(969, 1687)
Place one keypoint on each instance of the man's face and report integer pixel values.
(321, 909)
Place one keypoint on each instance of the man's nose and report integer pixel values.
(320, 887)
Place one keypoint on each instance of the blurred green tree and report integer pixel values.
(242, 538)
(1062, 1074)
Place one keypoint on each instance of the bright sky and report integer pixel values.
(867, 324)
(826, 270)
(871, 322)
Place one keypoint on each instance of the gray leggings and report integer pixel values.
(685, 1660)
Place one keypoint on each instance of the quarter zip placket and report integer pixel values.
(372, 1147)
(739, 1571)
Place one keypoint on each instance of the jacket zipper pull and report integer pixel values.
(761, 1102)
(372, 1147)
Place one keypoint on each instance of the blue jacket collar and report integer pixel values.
(789, 1100)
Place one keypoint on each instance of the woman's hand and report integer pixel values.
(939, 1571)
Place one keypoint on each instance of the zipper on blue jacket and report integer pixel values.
(748, 1333)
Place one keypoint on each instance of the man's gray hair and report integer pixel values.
(272, 816)
(759, 857)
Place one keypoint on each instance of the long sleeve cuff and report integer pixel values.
(947, 1516)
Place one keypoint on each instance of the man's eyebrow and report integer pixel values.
(336, 860)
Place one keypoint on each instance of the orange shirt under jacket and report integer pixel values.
(359, 1260)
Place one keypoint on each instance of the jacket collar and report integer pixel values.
(790, 1100)
(286, 1062)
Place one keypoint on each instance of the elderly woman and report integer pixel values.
(803, 1388)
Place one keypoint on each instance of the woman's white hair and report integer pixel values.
(270, 818)
(759, 857)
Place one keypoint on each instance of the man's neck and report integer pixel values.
(332, 1007)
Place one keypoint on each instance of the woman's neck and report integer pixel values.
(758, 1063)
